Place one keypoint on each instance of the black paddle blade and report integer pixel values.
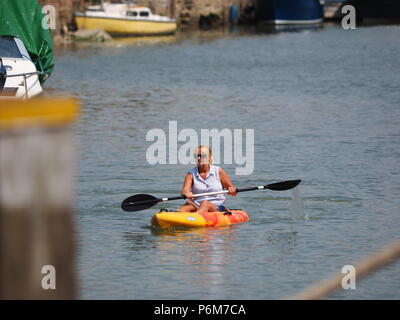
(284, 185)
(139, 202)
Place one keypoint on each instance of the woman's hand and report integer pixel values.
(232, 191)
(189, 195)
(227, 183)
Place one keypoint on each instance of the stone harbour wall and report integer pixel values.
(195, 12)
(188, 13)
(64, 12)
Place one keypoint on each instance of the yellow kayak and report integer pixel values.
(168, 219)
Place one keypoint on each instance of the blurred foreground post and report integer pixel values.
(36, 222)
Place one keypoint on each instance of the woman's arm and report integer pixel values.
(226, 182)
(187, 185)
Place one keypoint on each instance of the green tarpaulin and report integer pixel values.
(23, 19)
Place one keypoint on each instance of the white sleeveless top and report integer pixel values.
(211, 183)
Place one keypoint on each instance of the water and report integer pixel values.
(324, 105)
(297, 207)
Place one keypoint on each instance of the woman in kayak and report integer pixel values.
(203, 179)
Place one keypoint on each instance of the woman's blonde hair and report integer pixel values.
(198, 149)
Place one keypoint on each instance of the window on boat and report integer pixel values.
(94, 9)
(8, 48)
(131, 13)
(144, 13)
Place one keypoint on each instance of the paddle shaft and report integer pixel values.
(222, 192)
(204, 194)
(144, 201)
(218, 192)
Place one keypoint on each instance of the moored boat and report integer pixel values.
(26, 55)
(289, 11)
(18, 75)
(123, 19)
(167, 219)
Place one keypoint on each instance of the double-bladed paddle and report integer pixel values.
(140, 202)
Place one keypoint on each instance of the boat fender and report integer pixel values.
(233, 14)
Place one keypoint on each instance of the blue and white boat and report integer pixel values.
(289, 11)
(26, 49)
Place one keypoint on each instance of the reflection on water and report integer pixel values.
(205, 248)
(142, 41)
(197, 36)
(295, 28)
(137, 241)
(121, 42)
(203, 251)
(284, 240)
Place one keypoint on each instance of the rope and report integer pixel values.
(376, 261)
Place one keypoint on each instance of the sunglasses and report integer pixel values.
(202, 156)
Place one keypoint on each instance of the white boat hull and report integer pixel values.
(22, 81)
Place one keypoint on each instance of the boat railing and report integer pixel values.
(25, 75)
